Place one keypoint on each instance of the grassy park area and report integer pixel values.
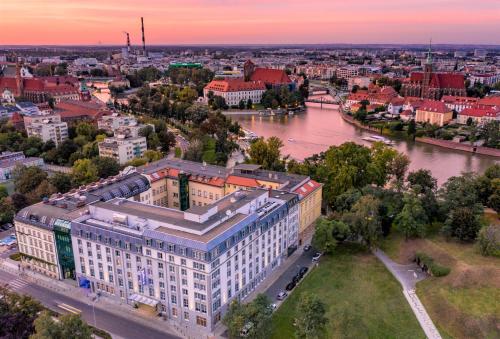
(363, 300)
(464, 304)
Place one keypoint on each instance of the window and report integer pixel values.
(173, 299)
(198, 276)
(198, 266)
(184, 291)
(201, 321)
(185, 302)
(183, 262)
(186, 316)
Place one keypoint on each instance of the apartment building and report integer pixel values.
(43, 229)
(46, 127)
(434, 112)
(189, 264)
(180, 184)
(111, 123)
(122, 148)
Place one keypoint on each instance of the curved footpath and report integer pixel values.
(493, 152)
(408, 275)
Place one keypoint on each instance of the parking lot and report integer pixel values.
(279, 285)
(5, 250)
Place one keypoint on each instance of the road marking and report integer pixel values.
(69, 308)
(17, 284)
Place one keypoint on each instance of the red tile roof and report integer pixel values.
(307, 188)
(434, 106)
(492, 112)
(71, 109)
(490, 101)
(271, 76)
(235, 85)
(450, 99)
(441, 80)
(241, 181)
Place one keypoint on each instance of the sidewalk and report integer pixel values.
(118, 308)
(408, 276)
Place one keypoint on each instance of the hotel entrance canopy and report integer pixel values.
(143, 300)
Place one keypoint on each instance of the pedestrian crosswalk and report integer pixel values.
(17, 284)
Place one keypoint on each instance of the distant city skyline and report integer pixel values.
(62, 22)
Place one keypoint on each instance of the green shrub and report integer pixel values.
(178, 152)
(435, 269)
(488, 241)
(16, 256)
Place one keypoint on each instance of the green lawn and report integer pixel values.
(363, 299)
(464, 304)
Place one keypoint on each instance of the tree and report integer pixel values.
(62, 182)
(67, 326)
(310, 316)
(249, 104)
(3, 192)
(106, 166)
(7, 211)
(197, 113)
(87, 130)
(84, 172)
(398, 168)
(151, 155)
(412, 218)
(462, 223)
(194, 152)
(27, 179)
(256, 312)
(267, 153)
(422, 181)
(364, 220)
(323, 238)
(17, 314)
(460, 191)
(241, 104)
(412, 128)
(167, 140)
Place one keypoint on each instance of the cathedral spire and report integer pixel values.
(429, 53)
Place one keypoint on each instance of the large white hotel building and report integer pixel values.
(188, 264)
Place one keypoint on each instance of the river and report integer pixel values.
(315, 130)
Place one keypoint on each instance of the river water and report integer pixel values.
(317, 129)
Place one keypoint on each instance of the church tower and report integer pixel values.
(426, 81)
(248, 69)
(19, 80)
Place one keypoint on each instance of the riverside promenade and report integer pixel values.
(492, 152)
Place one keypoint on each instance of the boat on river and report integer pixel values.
(378, 138)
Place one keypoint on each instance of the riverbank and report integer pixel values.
(492, 152)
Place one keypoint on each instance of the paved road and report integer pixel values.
(118, 326)
(279, 285)
(407, 275)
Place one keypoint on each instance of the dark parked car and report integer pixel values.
(303, 270)
(296, 278)
(307, 248)
(290, 286)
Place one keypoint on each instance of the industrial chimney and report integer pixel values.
(143, 38)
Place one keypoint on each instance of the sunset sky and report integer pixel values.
(249, 21)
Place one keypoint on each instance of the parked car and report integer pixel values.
(290, 286)
(316, 256)
(296, 278)
(273, 307)
(282, 295)
(307, 248)
(245, 331)
(303, 270)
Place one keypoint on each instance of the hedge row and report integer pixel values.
(436, 270)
